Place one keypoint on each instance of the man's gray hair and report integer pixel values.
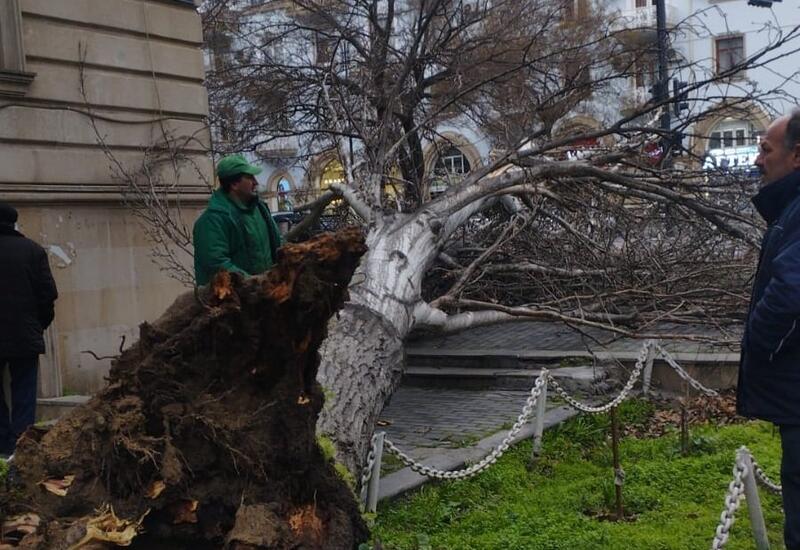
(792, 137)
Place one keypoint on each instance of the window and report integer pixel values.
(332, 173)
(452, 162)
(324, 45)
(284, 202)
(450, 168)
(645, 3)
(14, 80)
(730, 52)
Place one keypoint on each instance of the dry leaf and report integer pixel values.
(107, 527)
(155, 489)
(305, 521)
(384, 423)
(56, 486)
(303, 400)
(221, 285)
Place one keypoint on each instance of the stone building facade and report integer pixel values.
(89, 88)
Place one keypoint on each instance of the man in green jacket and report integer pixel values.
(236, 232)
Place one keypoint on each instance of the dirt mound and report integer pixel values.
(205, 434)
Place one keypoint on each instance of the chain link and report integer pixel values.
(637, 371)
(488, 460)
(732, 501)
(683, 374)
(366, 473)
(764, 480)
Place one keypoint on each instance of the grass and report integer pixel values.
(554, 504)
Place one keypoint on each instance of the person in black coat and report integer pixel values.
(27, 296)
(769, 371)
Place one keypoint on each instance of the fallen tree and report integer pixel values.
(204, 436)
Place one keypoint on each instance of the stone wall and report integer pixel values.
(141, 69)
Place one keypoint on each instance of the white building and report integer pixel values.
(715, 35)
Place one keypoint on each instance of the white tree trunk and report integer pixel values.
(363, 357)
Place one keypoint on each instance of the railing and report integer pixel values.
(645, 17)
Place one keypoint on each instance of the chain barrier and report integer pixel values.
(366, 473)
(544, 378)
(732, 501)
(683, 374)
(637, 371)
(488, 460)
(762, 478)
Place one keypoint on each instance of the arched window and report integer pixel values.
(284, 189)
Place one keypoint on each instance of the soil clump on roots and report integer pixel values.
(205, 434)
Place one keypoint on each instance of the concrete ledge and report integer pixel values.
(556, 355)
(53, 408)
(402, 481)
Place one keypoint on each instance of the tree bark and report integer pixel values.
(363, 358)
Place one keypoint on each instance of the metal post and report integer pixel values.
(375, 480)
(538, 426)
(648, 366)
(753, 502)
(663, 75)
(615, 457)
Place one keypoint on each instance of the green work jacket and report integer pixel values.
(234, 237)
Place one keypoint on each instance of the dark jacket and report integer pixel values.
(234, 237)
(769, 371)
(27, 293)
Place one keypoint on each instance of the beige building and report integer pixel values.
(75, 74)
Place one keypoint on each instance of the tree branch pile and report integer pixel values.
(205, 434)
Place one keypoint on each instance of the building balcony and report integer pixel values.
(641, 24)
(279, 147)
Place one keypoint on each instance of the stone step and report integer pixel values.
(583, 379)
(513, 369)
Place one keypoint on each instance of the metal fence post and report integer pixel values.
(753, 502)
(375, 480)
(538, 423)
(648, 366)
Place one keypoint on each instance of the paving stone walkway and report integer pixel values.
(449, 418)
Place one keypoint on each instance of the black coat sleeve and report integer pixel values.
(44, 288)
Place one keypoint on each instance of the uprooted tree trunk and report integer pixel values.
(205, 434)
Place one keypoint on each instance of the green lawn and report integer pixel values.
(553, 505)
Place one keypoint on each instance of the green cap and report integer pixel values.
(233, 165)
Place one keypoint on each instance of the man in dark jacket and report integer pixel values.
(27, 293)
(236, 232)
(769, 372)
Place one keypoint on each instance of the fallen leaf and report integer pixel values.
(305, 521)
(56, 486)
(155, 489)
(221, 285)
(303, 400)
(384, 422)
(107, 527)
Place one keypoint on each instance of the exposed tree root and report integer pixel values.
(205, 434)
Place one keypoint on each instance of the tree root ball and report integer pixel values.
(204, 436)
